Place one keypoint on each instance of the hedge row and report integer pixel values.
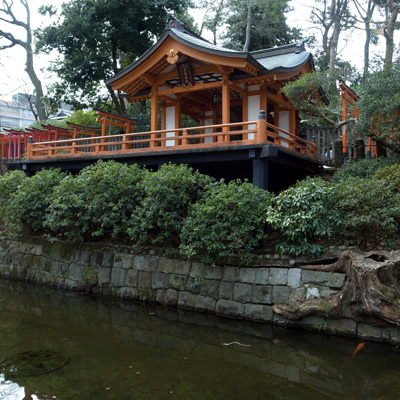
(213, 220)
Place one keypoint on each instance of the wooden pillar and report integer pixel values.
(154, 109)
(178, 119)
(245, 112)
(293, 121)
(344, 127)
(226, 105)
(163, 116)
(263, 99)
(154, 116)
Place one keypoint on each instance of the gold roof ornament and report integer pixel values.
(172, 58)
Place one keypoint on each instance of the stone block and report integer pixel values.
(85, 257)
(165, 265)
(205, 304)
(128, 292)
(278, 276)
(89, 275)
(229, 308)
(332, 280)
(118, 277)
(395, 335)
(258, 312)
(131, 278)
(210, 288)
(75, 272)
(97, 258)
(242, 292)
(312, 293)
(141, 263)
(168, 297)
(178, 282)
(198, 271)
(262, 276)
(343, 326)
(368, 331)
(182, 267)
(187, 300)
(193, 286)
(160, 280)
(64, 270)
(247, 275)
(231, 274)
(144, 279)
(297, 295)
(294, 277)
(108, 260)
(280, 294)
(214, 272)
(226, 290)
(328, 292)
(262, 294)
(104, 275)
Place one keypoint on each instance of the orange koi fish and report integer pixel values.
(359, 347)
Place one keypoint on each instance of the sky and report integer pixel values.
(13, 78)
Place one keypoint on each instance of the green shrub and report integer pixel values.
(362, 169)
(98, 202)
(227, 222)
(303, 215)
(28, 205)
(9, 184)
(390, 176)
(168, 194)
(370, 212)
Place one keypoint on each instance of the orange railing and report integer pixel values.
(210, 136)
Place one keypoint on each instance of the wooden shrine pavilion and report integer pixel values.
(246, 128)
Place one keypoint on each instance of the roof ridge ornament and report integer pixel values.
(300, 46)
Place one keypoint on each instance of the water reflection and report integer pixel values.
(135, 351)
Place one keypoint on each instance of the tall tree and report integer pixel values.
(213, 16)
(96, 38)
(261, 22)
(390, 9)
(366, 12)
(8, 18)
(332, 17)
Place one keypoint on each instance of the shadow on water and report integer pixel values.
(127, 350)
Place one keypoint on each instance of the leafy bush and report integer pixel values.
(28, 205)
(303, 214)
(168, 194)
(391, 176)
(227, 221)
(98, 202)
(362, 169)
(9, 184)
(370, 212)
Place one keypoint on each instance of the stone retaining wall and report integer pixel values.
(243, 292)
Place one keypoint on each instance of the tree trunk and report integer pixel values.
(40, 108)
(389, 32)
(248, 29)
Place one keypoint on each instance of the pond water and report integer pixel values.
(126, 350)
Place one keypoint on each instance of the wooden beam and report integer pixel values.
(194, 88)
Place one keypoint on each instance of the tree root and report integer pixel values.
(371, 292)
